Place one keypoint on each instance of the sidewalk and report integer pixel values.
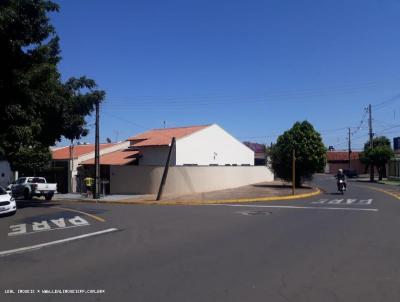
(256, 192)
(107, 198)
(390, 184)
(266, 189)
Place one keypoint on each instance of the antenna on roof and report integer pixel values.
(116, 132)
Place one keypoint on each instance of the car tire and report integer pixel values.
(48, 197)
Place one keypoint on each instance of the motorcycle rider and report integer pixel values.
(340, 176)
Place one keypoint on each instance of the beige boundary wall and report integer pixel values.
(184, 179)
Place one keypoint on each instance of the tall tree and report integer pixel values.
(37, 109)
(309, 149)
(378, 156)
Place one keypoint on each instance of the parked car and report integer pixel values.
(29, 187)
(7, 203)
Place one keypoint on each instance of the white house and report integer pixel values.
(204, 158)
(208, 145)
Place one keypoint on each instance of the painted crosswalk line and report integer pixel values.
(344, 201)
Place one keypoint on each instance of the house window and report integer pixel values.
(213, 164)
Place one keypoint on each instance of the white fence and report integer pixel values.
(184, 179)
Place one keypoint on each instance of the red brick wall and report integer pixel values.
(355, 165)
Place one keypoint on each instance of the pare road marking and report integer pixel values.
(345, 201)
(47, 225)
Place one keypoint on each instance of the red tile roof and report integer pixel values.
(117, 158)
(342, 155)
(78, 150)
(162, 137)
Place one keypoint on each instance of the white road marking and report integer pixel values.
(44, 226)
(365, 201)
(297, 207)
(41, 226)
(351, 200)
(348, 201)
(335, 201)
(39, 246)
(53, 229)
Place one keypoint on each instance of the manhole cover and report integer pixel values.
(254, 213)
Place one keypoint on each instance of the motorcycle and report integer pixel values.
(342, 186)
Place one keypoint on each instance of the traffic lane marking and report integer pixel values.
(344, 201)
(47, 225)
(56, 242)
(81, 212)
(395, 194)
(298, 207)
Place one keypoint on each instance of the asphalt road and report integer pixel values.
(326, 248)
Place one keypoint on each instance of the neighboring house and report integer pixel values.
(394, 163)
(260, 155)
(340, 160)
(6, 175)
(117, 158)
(66, 161)
(196, 145)
(394, 168)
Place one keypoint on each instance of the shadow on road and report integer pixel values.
(6, 215)
(35, 203)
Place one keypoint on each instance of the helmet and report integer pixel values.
(340, 170)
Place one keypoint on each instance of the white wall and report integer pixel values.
(155, 156)
(212, 145)
(184, 179)
(6, 175)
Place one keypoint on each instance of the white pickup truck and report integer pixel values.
(29, 187)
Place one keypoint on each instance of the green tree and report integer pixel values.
(37, 109)
(309, 149)
(378, 156)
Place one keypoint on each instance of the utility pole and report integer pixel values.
(71, 168)
(349, 149)
(96, 190)
(371, 142)
(165, 174)
(293, 172)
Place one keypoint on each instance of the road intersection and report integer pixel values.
(323, 248)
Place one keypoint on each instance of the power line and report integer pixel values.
(276, 93)
(358, 128)
(385, 103)
(389, 128)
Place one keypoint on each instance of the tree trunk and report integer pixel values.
(372, 173)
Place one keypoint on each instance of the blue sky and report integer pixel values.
(253, 67)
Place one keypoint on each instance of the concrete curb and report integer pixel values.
(316, 192)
